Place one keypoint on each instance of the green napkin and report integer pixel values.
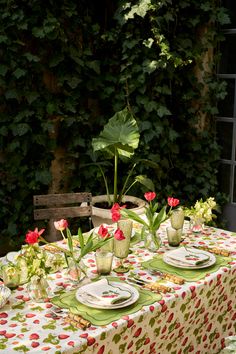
(101, 317)
(187, 274)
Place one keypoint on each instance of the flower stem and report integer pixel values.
(115, 174)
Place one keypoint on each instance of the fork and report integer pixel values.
(172, 278)
(57, 311)
(153, 271)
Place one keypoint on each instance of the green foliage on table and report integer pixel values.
(66, 67)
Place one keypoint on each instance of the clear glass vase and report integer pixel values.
(152, 240)
(73, 270)
(38, 288)
(196, 224)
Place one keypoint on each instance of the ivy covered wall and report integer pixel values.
(67, 66)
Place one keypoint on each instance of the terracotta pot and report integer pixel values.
(103, 216)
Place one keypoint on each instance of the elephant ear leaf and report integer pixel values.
(121, 133)
(147, 182)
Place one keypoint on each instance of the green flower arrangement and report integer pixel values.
(202, 210)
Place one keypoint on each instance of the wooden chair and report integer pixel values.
(54, 207)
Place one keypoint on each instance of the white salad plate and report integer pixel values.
(169, 258)
(86, 295)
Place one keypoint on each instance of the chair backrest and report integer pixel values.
(54, 207)
(57, 206)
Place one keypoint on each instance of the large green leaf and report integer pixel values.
(121, 132)
(147, 182)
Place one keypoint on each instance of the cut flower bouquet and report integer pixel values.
(152, 220)
(201, 212)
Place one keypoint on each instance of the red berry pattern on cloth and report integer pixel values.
(193, 318)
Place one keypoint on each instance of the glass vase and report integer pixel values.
(73, 270)
(152, 240)
(196, 225)
(38, 288)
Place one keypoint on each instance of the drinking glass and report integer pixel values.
(121, 247)
(103, 261)
(177, 218)
(10, 276)
(174, 236)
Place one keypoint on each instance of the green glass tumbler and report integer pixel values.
(121, 247)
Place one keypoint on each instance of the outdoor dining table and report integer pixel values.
(194, 317)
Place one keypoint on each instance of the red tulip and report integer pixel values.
(61, 224)
(32, 236)
(115, 212)
(119, 235)
(150, 196)
(173, 202)
(103, 231)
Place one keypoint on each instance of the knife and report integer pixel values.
(139, 282)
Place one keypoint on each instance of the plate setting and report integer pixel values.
(107, 295)
(189, 258)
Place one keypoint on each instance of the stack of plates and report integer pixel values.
(104, 295)
(189, 258)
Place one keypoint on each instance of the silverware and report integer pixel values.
(139, 282)
(155, 272)
(56, 312)
(169, 277)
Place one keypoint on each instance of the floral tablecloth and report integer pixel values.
(193, 318)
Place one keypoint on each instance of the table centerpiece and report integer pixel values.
(152, 220)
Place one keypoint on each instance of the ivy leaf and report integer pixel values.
(56, 59)
(31, 58)
(162, 111)
(20, 129)
(74, 82)
(51, 107)
(139, 10)
(11, 94)
(19, 73)
(31, 96)
(3, 131)
(43, 177)
(149, 66)
(3, 69)
(3, 38)
(38, 32)
(95, 65)
(148, 42)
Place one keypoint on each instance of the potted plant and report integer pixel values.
(118, 140)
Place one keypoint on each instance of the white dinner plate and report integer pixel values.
(92, 302)
(179, 264)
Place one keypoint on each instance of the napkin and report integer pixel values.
(188, 256)
(102, 292)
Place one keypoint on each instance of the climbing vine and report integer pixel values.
(66, 67)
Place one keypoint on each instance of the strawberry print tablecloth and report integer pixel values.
(193, 318)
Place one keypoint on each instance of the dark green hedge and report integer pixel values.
(67, 66)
